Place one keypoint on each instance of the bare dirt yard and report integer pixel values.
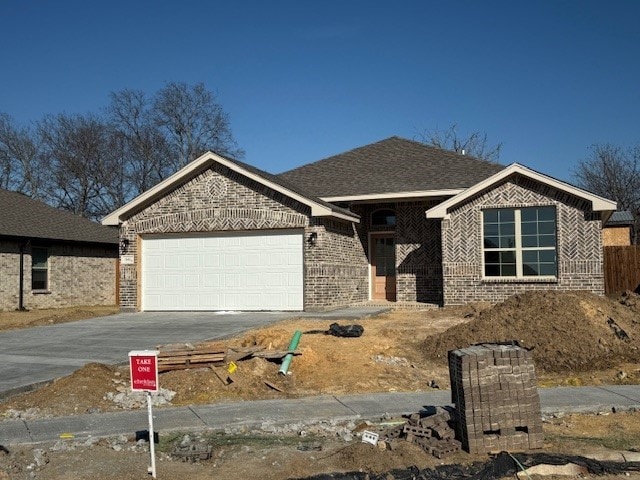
(576, 339)
(13, 320)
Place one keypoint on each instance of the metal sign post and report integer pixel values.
(143, 367)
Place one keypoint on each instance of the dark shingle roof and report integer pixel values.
(390, 166)
(620, 218)
(22, 216)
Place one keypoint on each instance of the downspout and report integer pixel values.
(23, 247)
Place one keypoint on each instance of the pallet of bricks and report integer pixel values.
(494, 390)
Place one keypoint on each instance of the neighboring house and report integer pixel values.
(392, 221)
(618, 231)
(50, 258)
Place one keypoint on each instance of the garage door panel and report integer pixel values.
(252, 271)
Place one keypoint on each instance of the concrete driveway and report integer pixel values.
(41, 354)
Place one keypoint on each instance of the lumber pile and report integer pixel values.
(182, 356)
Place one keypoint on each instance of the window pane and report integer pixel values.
(490, 216)
(547, 256)
(39, 279)
(529, 241)
(546, 214)
(508, 242)
(380, 270)
(547, 240)
(547, 228)
(530, 269)
(491, 229)
(508, 257)
(530, 256)
(506, 215)
(492, 270)
(508, 270)
(529, 228)
(383, 217)
(507, 229)
(491, 242)
(491, 257)
(529, 215)
(548, 269)
(39, 258)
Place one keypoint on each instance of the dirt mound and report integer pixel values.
(573, 331)
(81, 392)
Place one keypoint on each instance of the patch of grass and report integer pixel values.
(620, 441)
(219, 439)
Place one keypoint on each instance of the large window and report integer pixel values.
(520, 242)
(39, 268)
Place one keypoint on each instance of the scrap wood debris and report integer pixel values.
(434, 432)
(181, 356)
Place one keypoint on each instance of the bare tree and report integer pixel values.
(613, 172)
(80, 163)
(193, 122)
(20, 158)
(146, 154)
(475, 144)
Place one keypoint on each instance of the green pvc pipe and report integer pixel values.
(289, 356)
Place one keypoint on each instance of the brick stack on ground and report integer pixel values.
(494, 390)
(430, 430)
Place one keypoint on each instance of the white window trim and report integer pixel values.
(519, 249)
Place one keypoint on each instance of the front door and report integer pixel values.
(383, 267)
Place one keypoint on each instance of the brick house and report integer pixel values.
(394, 221)
(50, 258)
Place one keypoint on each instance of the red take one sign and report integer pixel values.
(143, 367)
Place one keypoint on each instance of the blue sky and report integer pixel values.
(303, 80)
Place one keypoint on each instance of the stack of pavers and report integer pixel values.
(494, 391)
(431, 431)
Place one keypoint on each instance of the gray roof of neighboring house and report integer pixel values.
(620, 218)
(390, 166)
(22, 216)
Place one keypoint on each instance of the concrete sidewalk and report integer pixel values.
(255, 414)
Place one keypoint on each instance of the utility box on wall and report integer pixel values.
(496, 397)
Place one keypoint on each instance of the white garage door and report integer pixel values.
(248, 271)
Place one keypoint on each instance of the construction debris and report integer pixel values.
(181, 356)
(434, 432)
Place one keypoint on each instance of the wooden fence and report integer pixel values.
(622, 269)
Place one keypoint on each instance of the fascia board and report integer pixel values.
(393, 195)
(317, 210)
(598, 204)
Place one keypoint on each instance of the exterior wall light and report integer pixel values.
(313, 238)
(124, 244)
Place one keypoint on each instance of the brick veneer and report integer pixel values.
(219, 200)
(579, 241)
(418, 248)
(78, 275)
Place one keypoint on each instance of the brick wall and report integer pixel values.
(336, 267)
(219, 200)
(78, 275)
(579, 240)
